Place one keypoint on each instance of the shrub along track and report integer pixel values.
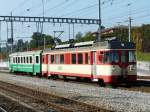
(46, 102)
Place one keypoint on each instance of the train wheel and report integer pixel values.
(111, 86)
(65, 78)
(49, 76)
(39, 75)
(54, 77)
(78, 78)
(101, 83)
(128, 84)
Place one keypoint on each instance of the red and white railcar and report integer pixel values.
(109, 62)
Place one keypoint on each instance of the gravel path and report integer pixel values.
(112, 99)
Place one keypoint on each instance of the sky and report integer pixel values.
(113, 13)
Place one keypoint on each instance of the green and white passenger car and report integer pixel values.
(25, 62)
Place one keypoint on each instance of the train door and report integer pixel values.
(33, 61)
(48, 65)
(94, 66)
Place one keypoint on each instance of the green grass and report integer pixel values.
(143, 56)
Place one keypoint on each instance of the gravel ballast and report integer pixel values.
(107, 98)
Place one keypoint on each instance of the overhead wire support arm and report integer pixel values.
(49, 20)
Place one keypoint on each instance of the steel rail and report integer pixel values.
(57, 103)
(2, 109)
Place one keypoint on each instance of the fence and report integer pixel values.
(143, 68)
(4, 64)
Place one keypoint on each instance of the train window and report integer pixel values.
(21, 60)
(73, 58)
(61, 59)
(101, 53)
(132, 56)
(24, 59)
(57, 59)
(80, 58)
(86, 58)
(111, 57)
(18, 59)
(30, 59)
(43, 58)
(37, 59)
(27, 59)
(13, 60)
(123, 56)
(52, 59)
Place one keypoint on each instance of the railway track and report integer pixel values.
(2, 109)
(46, 102)
(142, 85)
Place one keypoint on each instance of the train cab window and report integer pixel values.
(37, 59)
(61, 59)
(57, 59)
(86, 58)
(52, 59)
(111, 57)
(73, 58)
(80, 58)
(123, 56)
(132, 56)
(30, 59)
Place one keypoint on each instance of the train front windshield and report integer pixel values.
(111, 57)
(132, 56)
(114, 56)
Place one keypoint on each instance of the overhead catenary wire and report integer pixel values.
(65, 7)
(54, 7)
(19, 5)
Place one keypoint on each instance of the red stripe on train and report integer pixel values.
(107, 79)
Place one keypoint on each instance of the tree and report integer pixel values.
(87, 37)
(79, 35)
(38, 40)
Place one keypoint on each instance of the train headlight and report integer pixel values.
(113, 68)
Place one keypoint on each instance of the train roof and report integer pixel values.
(93, 46)
(26, 53)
